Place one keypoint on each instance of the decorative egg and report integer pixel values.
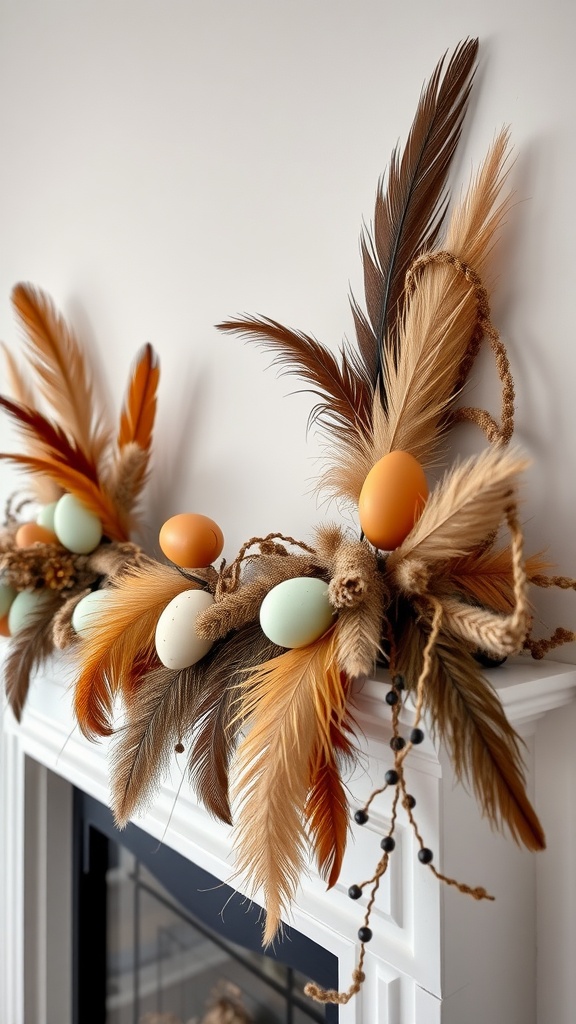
(177, 642)
(7, 595)
(391, 500)
(45, 516)
(32, 533)
(23, 607)
(76, 527)
(191, 540)
(296, 612)
(87, 611)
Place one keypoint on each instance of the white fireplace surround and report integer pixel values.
(437, 956)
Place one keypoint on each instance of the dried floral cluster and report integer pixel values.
(267, 726)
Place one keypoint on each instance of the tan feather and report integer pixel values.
(468, 718)
(463, 509)
(117, 651)
(288, 705)
(55, 356)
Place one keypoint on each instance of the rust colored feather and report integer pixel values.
(327, 815)
(46, 439)
(90, 494)
(122, 639)
(55, 356)
(468, 718)
(139, 408)
(411, 205)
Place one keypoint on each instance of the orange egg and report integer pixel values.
(191, 540)
(391, 500)
(4, 628)
(32, 533)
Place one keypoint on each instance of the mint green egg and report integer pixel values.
(87, 612)
(76, 527)
(296, 612)
(23, 608)
(7, 595)
(45, 516)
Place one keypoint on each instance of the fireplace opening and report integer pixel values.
(158, 940)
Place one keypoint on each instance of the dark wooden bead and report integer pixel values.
(425, 855)
(361, 817)
(416, 736)
(388, 844)
(364, 934)
(354, 892)
(391, 777)
(397, 743)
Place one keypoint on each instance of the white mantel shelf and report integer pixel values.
(437, 956)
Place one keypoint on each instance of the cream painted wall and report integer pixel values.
(168, 165)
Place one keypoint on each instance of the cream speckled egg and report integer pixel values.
(76, 527)
(296, 612)
(177, 642)
(87, 611)
(23, 607)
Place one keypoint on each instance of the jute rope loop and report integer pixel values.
(495, 433)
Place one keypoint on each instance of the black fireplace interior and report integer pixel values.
(158, 940)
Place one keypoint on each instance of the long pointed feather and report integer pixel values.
(343, 387)
(288, 705)
(139, 407)
(469, 720)
(157, 720)
(55, 355)
(47, 439)
(410, 208)
(217, 727)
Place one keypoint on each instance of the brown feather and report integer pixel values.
(46, 439)
(55, 356)
(114, 653)
(217, 728)
(156, 721)
(288, 705)
(467, 716)
(27, 652)
(410, 209)
(139, 407)
(343, 387)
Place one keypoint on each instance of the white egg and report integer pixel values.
(7, 595)
(76, 527)
(45, 516)
(296, 612)
(87, 611)
(177, 642)
(23, 607)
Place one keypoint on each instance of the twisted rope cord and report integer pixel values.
(495, 433)
(229, 577)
